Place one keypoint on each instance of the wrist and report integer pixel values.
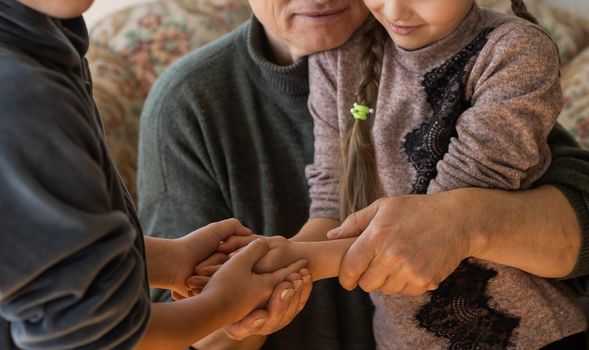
(156, 251)
(166, 268)
(472, 206)
(323, 258)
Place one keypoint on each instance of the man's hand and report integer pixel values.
(408, 244)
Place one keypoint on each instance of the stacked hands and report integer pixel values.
(387, 246)
(279, 289)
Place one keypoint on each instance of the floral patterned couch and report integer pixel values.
(132, 47)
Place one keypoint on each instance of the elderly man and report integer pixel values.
(226, 133)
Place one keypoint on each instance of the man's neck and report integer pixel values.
(276, 51)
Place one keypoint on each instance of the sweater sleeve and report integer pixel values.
(178, 189)
(70, 273)
(569, 172)
(502, 138)
(322, 174)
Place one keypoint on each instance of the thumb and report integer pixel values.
(249, 255)
(355, 223)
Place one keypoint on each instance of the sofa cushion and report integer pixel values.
(570, 32)
(575, 84)
(130, 49)
(153, 35)
(119, 98)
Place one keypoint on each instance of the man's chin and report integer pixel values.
(326, 43)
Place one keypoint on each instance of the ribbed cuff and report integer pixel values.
(579, 204)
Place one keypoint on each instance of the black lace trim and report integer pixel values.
(445, 88)
(459, 309)
(459, 312)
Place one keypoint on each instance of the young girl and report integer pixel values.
(447, 95)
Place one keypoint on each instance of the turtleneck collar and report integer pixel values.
(291, 80)
(63, 42)
(433, 55)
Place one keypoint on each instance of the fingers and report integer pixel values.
(233, 243)
(213, 260)
(248, 256)
(281, 274)
(293, 303)
(281, 303)
(356, 223)
(395, 285)
(305, 289)
(227, 228)
(205, 240)
(177, 296)
(250, 325)
(375, 276)
(355, 262)
(286, 301)
(195, 284)
(208, 270)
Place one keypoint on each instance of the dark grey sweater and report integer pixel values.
(225, 133)
(72, 274)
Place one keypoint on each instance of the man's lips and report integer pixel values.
(321, 15)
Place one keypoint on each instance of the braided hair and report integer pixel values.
(520, 10)
(359, 183)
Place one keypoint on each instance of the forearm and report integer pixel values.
(218, 340)
(323, 258)
(533, 230)
(179, 324)
(315, 229)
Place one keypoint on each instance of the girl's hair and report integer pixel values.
(520, 10)
(359, 182)
(359, 185)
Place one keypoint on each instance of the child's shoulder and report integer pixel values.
(32, 93)
(509, 31)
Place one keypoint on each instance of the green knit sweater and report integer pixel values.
(225, 133)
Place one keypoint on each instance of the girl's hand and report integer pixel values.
(171, 261)
(235, 243)
(280, 310)
(207, 268)
(240, 289)
(281, 251)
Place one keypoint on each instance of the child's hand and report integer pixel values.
(281, 251)
(239, 289)
(236, 242)
(280, 310)
(207, 268)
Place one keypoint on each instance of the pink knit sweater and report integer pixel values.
(472, 110)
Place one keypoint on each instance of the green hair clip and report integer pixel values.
(361, 112)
